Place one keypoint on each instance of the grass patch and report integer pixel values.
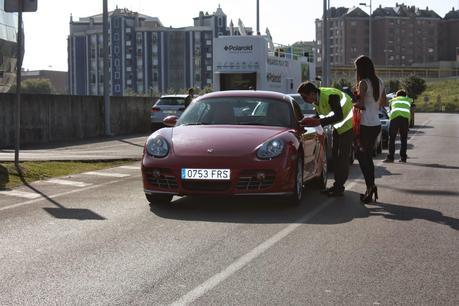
(440, 95)
(34, 171)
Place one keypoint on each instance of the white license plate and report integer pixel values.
(170, 112)
(206, 174)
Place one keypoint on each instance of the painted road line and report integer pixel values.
(20, 194)
(108, 174)
(63, 194)
(68, 183)
(242, 261)
(130, 167)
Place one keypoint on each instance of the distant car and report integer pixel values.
(234, 143)
(385, 122)
(167, 105)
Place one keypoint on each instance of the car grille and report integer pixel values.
(206, 185)
(164, 181)
(248, 180)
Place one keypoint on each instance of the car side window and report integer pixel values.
(297, 111)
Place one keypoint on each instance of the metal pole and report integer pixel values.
(18, 88)
(258, 17)
(108, 131)
(325, 43)
(370, 47)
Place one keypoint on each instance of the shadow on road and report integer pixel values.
(408, 213)
(62, 212)
(439, 166)
(269, 211)
(436, 192)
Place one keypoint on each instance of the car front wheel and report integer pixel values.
(295, 198)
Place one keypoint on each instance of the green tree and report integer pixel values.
(341, 83)
(35, 86)
(393, 86)
(414, 86)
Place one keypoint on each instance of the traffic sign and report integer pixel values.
(12, 6)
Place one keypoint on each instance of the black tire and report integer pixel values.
(158, 199)
(321, 181)
(296, 197)
(352, 156)
(379, 149)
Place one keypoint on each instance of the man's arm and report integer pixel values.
(335, 106)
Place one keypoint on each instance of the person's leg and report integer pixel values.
(373, 134)
(393, 128)
(368, 135)
(404, 124)
(341, 156)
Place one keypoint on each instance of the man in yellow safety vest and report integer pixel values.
(399, 122)
(327, 101)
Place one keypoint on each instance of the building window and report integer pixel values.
(117, 75)
(117, 88)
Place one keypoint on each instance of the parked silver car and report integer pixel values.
(167, 105)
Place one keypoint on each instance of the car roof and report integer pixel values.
(246, 93)
(173, 96)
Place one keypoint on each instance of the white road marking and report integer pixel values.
(109, 174)
(68, 183)
(20, 194)
(61, 194)
(130, 167)
(242, 261)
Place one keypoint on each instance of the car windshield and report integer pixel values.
(170, 101)
(238, 111)
(306, 108)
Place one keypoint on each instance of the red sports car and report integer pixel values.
(234, 143)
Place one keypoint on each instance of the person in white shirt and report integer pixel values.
(371, 95)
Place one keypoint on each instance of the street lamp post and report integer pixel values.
(107, 78)
(370, 29)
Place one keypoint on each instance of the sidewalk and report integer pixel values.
(110, 148)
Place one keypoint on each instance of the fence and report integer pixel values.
(63, 118)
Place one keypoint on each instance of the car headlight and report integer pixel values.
(157, 146)
(270, 149)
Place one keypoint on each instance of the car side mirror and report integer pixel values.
(170, 121)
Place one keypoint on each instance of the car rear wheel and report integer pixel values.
(322, 179)
(159, 198)
(295, 198)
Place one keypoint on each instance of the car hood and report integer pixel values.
(221, 140)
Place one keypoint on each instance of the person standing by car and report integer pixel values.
(370, 96)
(189, 98)
(399, 122)
(327, 100)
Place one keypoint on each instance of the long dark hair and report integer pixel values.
(366, 70)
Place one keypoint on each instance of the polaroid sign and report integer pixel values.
(238, 48)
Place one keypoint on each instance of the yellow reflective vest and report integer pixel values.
(400, 107)
(346, 104)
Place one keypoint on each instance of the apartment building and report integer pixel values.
(401, 35)
(145, 56)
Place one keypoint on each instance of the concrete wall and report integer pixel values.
(62, 118)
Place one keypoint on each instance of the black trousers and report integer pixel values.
(401, 125)
(342, 145)
(368, 135)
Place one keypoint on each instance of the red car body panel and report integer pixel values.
(233, 147)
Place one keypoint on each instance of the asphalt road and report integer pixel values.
(102, 244)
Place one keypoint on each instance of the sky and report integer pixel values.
(288, 21)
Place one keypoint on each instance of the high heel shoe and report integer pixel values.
(369, 196)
